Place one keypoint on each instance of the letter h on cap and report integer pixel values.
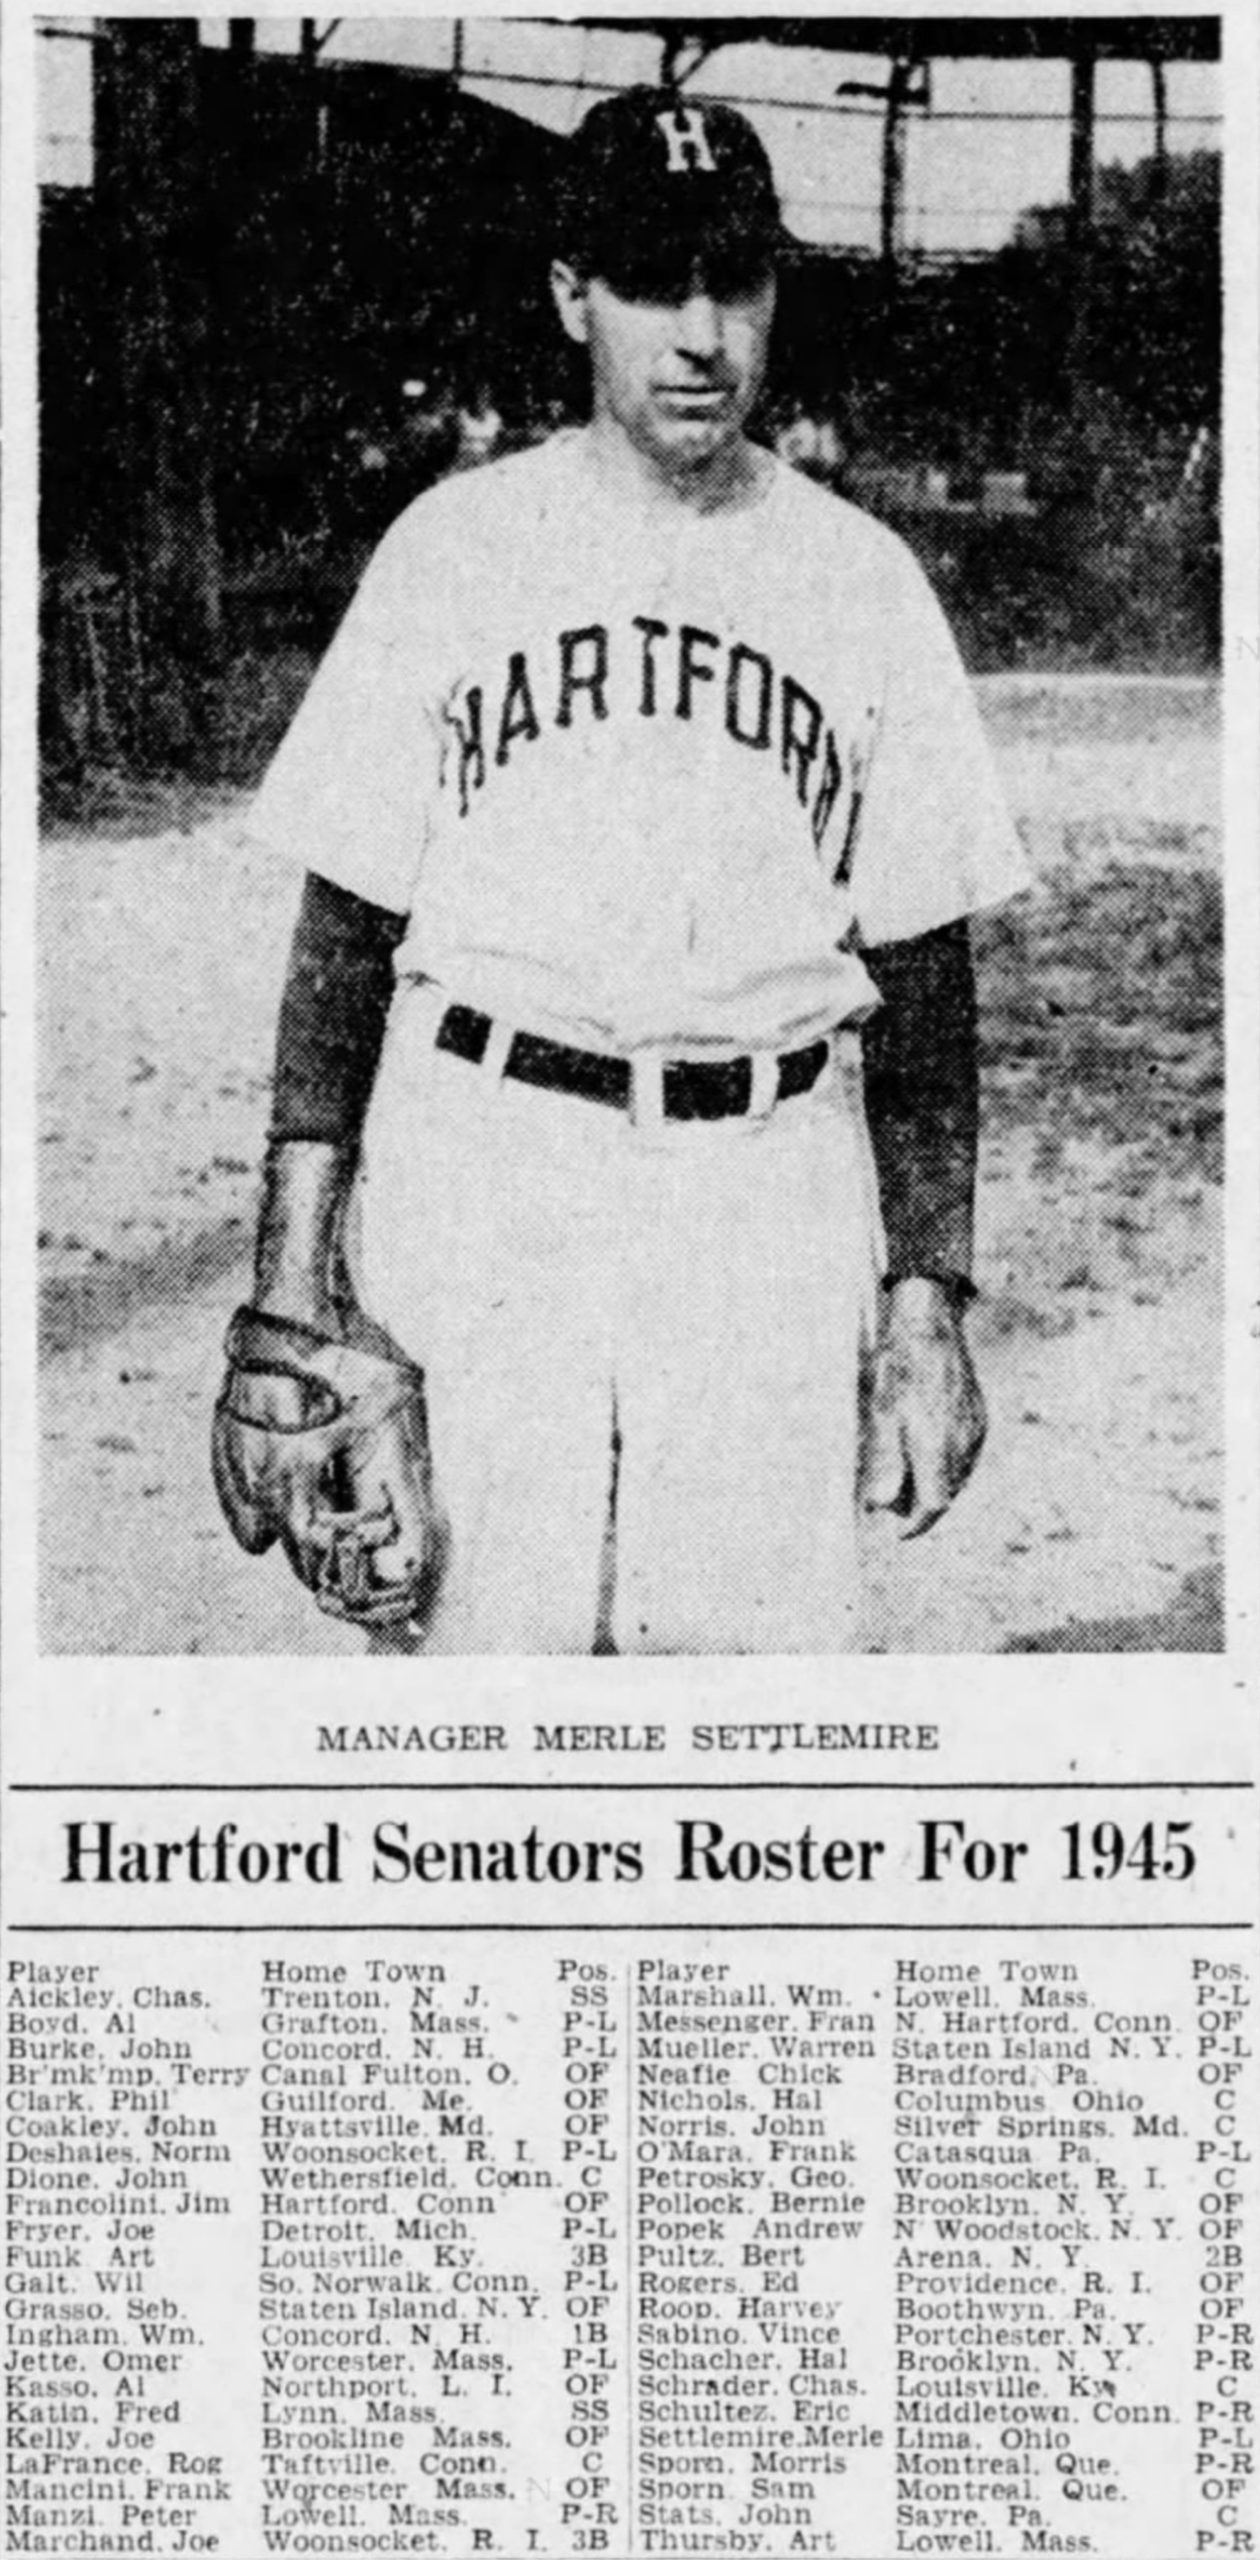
(686, 141)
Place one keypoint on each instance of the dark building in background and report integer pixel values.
(258, 328)
(286, 246)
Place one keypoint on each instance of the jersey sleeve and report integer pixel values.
(350, 792)
(934, 838)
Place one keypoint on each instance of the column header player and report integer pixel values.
(641, 783)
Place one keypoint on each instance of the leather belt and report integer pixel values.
(691, 1088)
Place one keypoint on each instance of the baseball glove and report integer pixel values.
(323, 1444)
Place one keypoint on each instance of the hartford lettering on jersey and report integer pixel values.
(646, 670)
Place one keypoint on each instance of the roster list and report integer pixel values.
(648, 2244)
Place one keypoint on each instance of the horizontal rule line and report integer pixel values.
(628, 1786)
(586, 1928)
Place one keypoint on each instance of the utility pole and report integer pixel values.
(683, 51)
(1081, 215)
(909, 85)
(1159, 102)
(893, 182)
(1081, 173)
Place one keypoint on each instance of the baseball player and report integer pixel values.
(625, 1099)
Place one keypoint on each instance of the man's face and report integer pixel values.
(677, 357)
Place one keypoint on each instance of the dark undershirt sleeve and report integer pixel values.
(921, 1076)
(332, 1014)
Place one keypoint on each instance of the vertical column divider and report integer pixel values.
(630, 2260)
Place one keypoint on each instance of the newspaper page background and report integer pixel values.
(627, 2107)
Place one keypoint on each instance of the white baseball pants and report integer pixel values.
(641, 1348)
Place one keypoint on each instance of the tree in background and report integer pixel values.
(1125, 451)
(1140, 314)
(155, 253)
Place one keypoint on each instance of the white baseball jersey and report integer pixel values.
(645, 780)
(644, 777)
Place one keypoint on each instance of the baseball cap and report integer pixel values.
(658, 184)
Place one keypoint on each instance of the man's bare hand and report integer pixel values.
(923, 1420)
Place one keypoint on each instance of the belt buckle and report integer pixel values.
(495, 1055)
(647, 1090)
(765, 1086)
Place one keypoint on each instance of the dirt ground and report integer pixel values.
(1093, 1523)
